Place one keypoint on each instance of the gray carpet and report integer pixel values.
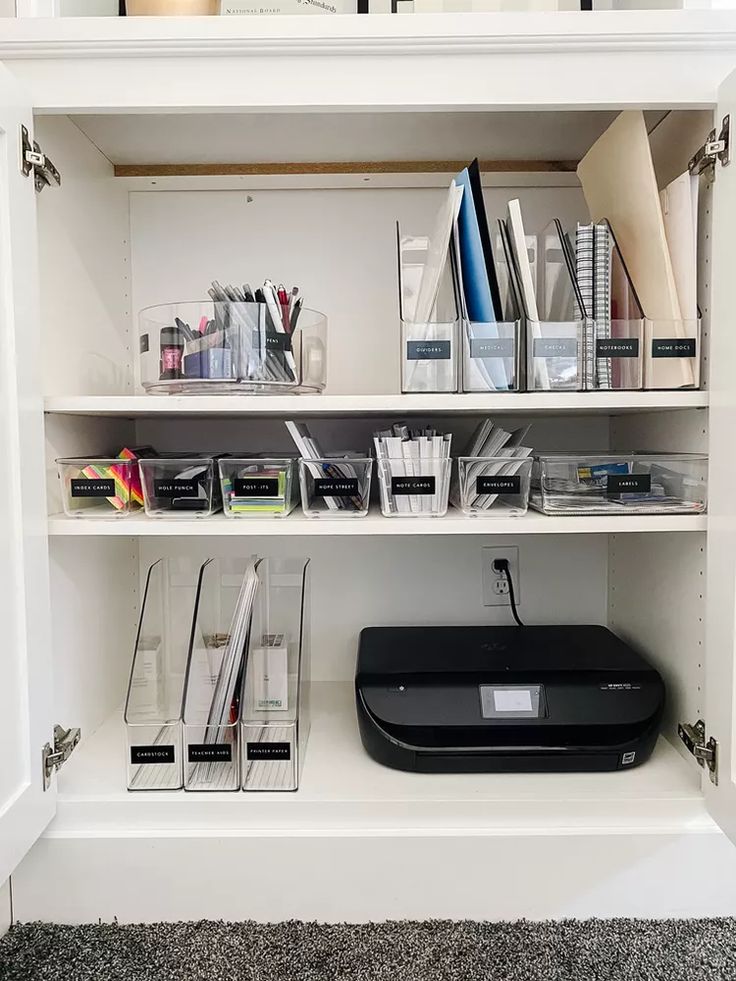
(439, 950)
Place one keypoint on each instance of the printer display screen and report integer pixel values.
(511, 701)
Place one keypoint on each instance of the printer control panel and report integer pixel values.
(512, 701)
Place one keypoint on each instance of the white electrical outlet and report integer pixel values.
(495, 586)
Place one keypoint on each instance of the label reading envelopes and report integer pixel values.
(498, 484)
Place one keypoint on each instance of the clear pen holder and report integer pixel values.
(276, 690)
(555, 356)
(258, 487)
(672, 354)
(336, 487)
(153, 706)
(414, 488)
(496, 487)
(226, 598)
(491, 357)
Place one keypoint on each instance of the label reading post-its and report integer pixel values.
(555, 347)
(209, 753)
(673, 347)
(497, 484)
(491, 347)
(428, 351)
(412, 485)
(256, 486)
(92, 488)
(176, 488)
(268, 751)
(152, 754)
(617, 347)
(628, 483)
(336, 487)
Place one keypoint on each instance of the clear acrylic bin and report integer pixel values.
(276, 696)
(414, 488)
(258, 487)
(620, 483)
(212, 347)
(182, 486)
(491, 356)
(336, 487)
(496, 487)
(555, 356)
(619, 358)
(214, 674)
(99, 487)
(153, 707)
(672, 354)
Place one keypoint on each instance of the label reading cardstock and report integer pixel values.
(152, 754)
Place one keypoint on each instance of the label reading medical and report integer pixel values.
(412, 485)
(427, 350)
(555, 347)
(256, 486)
(496, 484)
(628, 483)
(175, 488)
(152, 754)
(210, 753)
(617, 347)
(492, 347)
(268, 751)
(673, 347)
(336, 487)
(93, 488)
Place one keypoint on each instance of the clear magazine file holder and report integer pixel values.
(153, 706)
(429, 356)
(672, 353)
(276, 691)
(214, 680)
(555, 343)
(491, 351)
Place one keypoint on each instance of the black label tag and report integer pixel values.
(268, 751)
(336, 487)
(428, 351)
(492, 347)
(274, 341)
(555, 347)
(256, 486)
(143, 343)
(412, 485)
(152, 754)
(497, 484)
(673, 347)
(617, 347)
(93, 488)
(175, 488)
(209, 753)
(628, 483)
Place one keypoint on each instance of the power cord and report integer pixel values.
(501, 566)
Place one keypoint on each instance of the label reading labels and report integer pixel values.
(93, 488)
(673, 347)
(427, 350)
(628, 483)
(268, 751)
(412, 485)
(496, 484)
(555, 347)
(256, 486)
(175, 488)
(152, 754)
(336, 487)
(617, 347)
(492, 347)
(210, 753)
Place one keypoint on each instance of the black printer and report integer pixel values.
(505, 699)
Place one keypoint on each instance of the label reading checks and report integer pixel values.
(555, 347)
(412, 485)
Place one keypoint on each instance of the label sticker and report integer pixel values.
(256, 487)
(210, 753)
(492, 347)
(673, 347)
(93, 488)
(175, 488)
(152, 754)
(268, 751)
(412, 485)
(143, 343)
(336, 487)
(555, 347)
(427, 350)
(628, 483)
(274, 341)
(617, 347)
(497, 484)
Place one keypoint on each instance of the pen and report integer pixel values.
(295, 314)
(284, 302)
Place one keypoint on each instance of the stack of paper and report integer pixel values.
(415, 453)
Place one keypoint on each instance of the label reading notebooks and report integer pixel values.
(152, 754)
(175, 488)
(256, 486)
(492, 347)
(412, 485)
(617, 347)
(93, 488)
(496, 484)
(629, 483)
(336, 487)
(427, 350)
(268, 751)
(555, 347)
(673, 347)
(212, 753)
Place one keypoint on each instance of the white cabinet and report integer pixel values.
(202, 149)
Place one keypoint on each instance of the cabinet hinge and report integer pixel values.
(34, 161)
(53, 758)
(704, 750)
(714, 148)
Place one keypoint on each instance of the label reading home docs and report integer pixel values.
(93, 488)
(492, 347)
(175, 488)
(629, 483)
(617, 347)
(213, 753)
(427, 350)
(256, 486)
(555, 347)
(496, 484)
(268, 751)
(673, 347)
(412, 485)
(152, 754)
(336, 487)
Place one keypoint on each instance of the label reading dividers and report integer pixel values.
(336, 487)
(93, 488)
(210, 753)
(428, 351)
(152, 754)
(628, 483)
(175, 488)
(491, 347)
(413, 485)
(497, 484)
(555, 347)
(673, 347)
(268, 751)
(617, 347)
(256, 486)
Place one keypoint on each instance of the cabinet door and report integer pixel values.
(25, 644)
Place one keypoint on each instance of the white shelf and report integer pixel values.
(527, 403)
(453, 523)
(344, 791)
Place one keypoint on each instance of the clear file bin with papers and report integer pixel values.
(275, 700)
(216, 347)
(226, 597)
(496, 487)
(258, 487)
(620, 483)
(336, 487)
(153, 707)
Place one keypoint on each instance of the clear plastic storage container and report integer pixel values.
(336, 487)
(258, 487)
(99, 487)
(672, 354)
(492, 486)
(181, 486)
(414, 488)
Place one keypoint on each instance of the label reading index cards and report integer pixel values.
(412, 485)
(83, 487)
